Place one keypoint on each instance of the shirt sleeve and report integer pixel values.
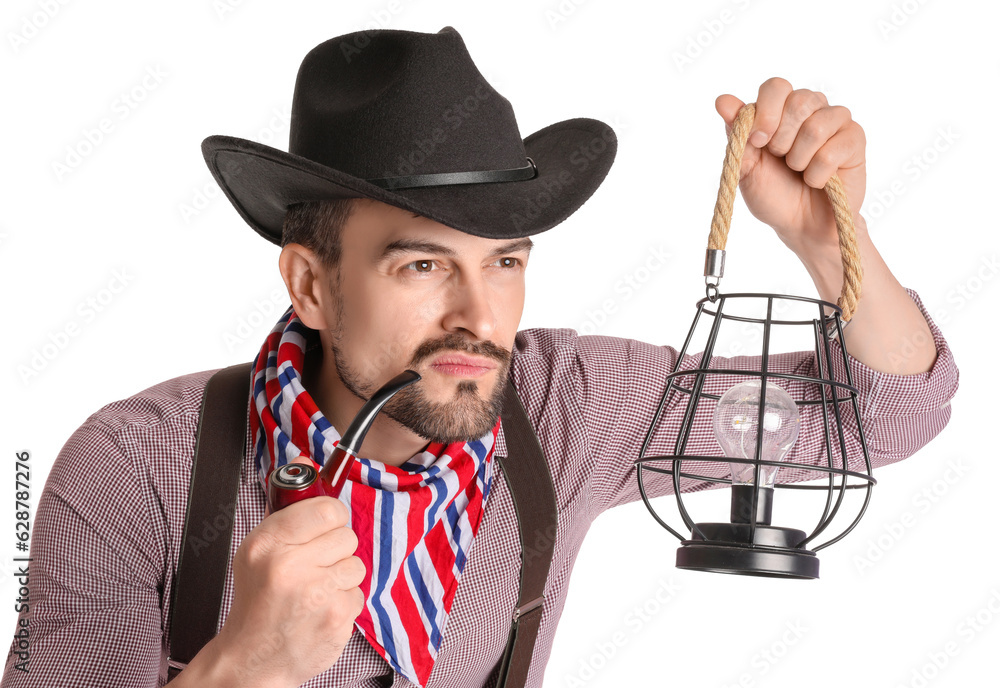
(619, 383)
(94, 612)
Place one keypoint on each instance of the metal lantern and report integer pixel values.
(754, 420)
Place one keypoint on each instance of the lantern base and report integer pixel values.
(727, 548)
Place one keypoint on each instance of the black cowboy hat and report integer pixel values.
(406, 118)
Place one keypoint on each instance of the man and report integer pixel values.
(424, 269)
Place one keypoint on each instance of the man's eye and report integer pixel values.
(424, 266)
(421, 265)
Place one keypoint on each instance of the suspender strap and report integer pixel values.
(219, 448)
(196, 597)
(530, 483)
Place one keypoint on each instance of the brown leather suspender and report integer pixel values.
(196, 597)
(530, 482)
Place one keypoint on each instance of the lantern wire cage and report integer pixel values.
(750, 545)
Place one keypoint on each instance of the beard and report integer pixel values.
(466, 416)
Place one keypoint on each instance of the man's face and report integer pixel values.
(413, 293)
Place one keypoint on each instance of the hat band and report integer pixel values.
(514, 174)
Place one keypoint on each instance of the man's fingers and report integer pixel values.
(800, 125)
(330, 547)
(307, 519)
(814, 133)
(770, 101)
(845, 149)
(727, 106)
(798, 107)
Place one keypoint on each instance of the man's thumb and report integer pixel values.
(728, 106)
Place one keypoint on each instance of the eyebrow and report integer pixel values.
(403, 246)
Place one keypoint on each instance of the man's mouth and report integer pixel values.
(462, 366)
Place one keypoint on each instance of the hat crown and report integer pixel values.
(388, 103)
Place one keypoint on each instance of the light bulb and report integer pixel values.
(735, 424)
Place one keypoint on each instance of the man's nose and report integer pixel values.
(471, 308)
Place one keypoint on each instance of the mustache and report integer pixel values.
(456, 342)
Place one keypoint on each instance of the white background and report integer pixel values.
(921, 79)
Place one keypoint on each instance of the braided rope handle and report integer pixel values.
(850, 255)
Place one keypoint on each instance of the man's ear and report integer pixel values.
(305, 280)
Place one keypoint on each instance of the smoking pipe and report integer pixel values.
(297, 481)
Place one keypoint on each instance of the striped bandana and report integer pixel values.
(414, 523)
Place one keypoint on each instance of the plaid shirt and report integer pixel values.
(104, 555)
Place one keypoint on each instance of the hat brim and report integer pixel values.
(573, 157)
